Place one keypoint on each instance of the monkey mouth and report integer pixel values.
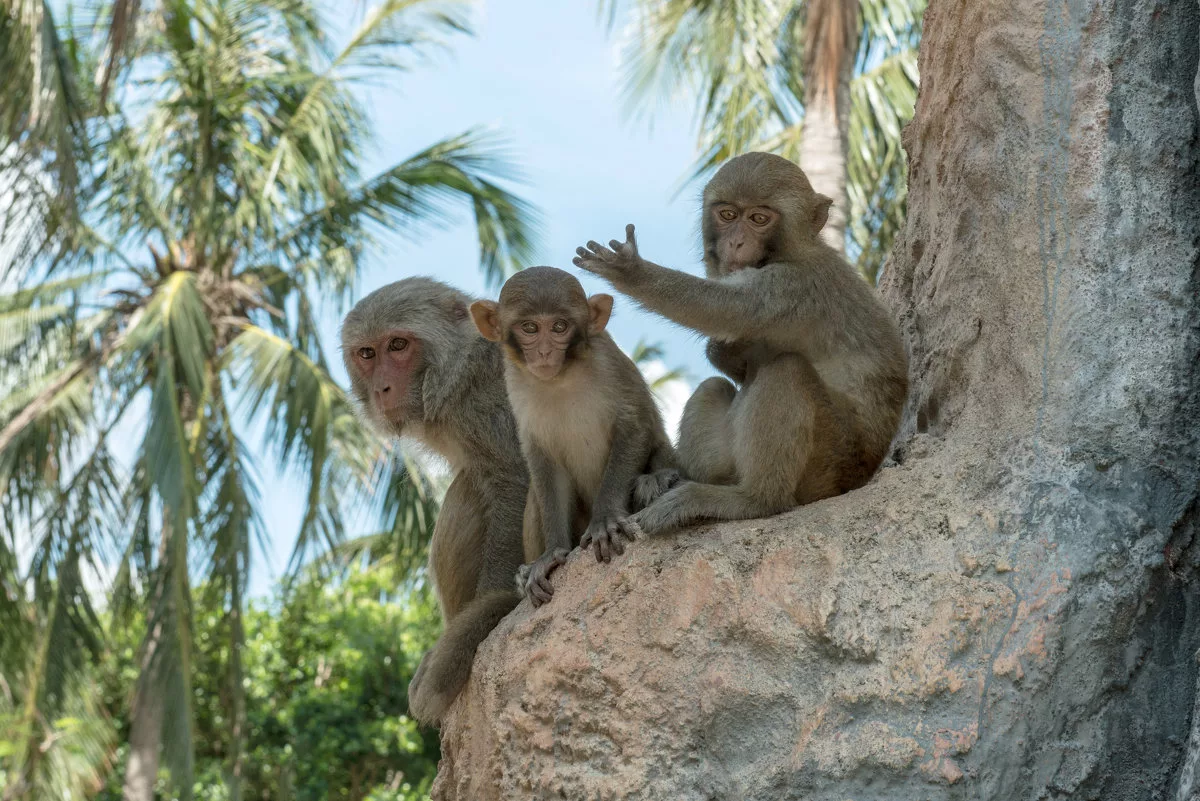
(749, 265)
(545, 372)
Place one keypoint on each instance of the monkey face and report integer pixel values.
(543, 318)
(542, 342)
(384, 368)
(742, 235)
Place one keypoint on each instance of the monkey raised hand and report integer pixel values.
(618, 263)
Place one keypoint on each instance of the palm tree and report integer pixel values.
(646, 353)
(172, 251)
(827, 83)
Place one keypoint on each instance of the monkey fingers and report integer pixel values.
(615, 263)
(627, 249)
(537, 585)
(630, 529)
(606, 537)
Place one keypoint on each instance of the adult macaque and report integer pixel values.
(419, 369)
(587, 422)
(822, 370)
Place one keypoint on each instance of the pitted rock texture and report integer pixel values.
(1010, 609)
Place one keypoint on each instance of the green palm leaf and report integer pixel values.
(748, 63)
(176, 300)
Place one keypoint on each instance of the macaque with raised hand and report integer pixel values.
(820, 368)
(589, 428)
(419, 369)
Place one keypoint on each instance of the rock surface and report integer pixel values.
(1010, 610)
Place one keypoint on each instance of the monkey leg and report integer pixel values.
(445, 669)
(787, 449)
(706, 433)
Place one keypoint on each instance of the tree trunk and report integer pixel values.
(147, 711)
(825, 136)
(1010, 609)
(237, 693)
(163, 683)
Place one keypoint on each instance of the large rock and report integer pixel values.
(1010, 610)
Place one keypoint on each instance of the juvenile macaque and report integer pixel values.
(587, 422)
(419, 369)
(821, 368)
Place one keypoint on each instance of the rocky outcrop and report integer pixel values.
(1010, 610)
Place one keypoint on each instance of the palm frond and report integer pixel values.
(407, 507)
(749, 65)
(644, 353)
(301, 404)
(882, 101)
(43, 111)
(422, 188)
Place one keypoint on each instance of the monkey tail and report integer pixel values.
(445, 670)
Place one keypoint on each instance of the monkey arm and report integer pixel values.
(504, 490)
(628, 455)
(750, 308)
(553, 494)
(757, 303)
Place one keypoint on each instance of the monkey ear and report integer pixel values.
(820, 214)
(487, 320)
(599, 309)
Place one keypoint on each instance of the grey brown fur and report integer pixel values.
(588, 425)
(821, 368)
(456, 406)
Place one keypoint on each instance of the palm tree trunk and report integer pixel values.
(146, 713)
(148, 710)
(832, 32)
(145, 732)
(238, 696)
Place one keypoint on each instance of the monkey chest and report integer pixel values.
(577, 437)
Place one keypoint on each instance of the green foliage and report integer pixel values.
(326, 671)
(646, 352)
(170, 241)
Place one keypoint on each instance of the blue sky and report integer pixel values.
(545, 76)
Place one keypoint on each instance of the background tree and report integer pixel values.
(646, 354)
(327, 665)
(214, 207)
(827, 83)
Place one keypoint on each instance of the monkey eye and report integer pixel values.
(559, 326)
(398, 343)
(728, 215)
(529, 328)
(758, 218)
(366, 353)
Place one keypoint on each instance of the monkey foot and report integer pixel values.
(650, 487)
